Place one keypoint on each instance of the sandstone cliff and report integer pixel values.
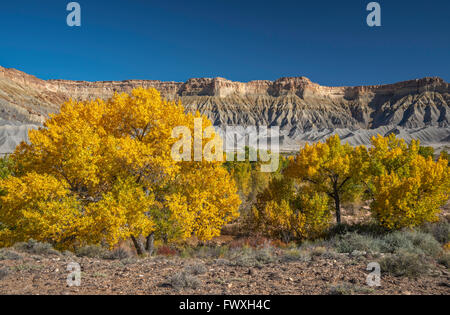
(305, 111)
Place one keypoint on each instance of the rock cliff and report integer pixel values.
(305, 111)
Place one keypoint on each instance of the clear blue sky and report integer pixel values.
(242, 40)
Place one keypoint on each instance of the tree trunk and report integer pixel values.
(140, 249)
(165, 238)
(337, 203)
(149, 246)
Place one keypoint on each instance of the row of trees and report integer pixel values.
(103, 172)
(405, 186)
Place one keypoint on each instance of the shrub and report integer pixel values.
(196, 269)
(222, 262)
(411, 241)
(296, 255)
(92, 251)
(440, 231)
(37, 248)
(252, 257)
(445, 259)
(117, 254)
(9, 255)
(319, 251)
(351, 242)
(404, 264)
(68, 253)
(184, 280)
(371, 229)
(128, 261)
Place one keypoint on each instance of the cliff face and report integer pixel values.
(299, 106)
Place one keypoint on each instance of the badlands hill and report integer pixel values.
(305, 111)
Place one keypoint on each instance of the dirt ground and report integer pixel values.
(31, 274)
(38, 275)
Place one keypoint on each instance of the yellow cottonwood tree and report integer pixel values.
(284, 212)
(407, 188)
(114, 160)
(332, 168)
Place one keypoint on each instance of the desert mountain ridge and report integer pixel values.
(304, 110)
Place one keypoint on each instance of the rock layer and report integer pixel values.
(299, 106)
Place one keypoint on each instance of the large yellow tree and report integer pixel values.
(114, 165)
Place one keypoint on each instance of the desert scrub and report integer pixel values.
(99, 252)
(252, 257)
(405, 264)
(411, 241)
(37, 248)
(128, 261)
(370, 228)
(92, 251)
(445, 259)
(295, 254)
(196, 269)
(27, 267)
(117, 254)
(184, 280)
(319, 251)
(440, 231)
(222, 262)
(350, 242)
(6, 254)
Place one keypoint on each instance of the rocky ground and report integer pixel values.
(22, 273)
(412, 262)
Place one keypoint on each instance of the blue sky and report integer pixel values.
(242, 40)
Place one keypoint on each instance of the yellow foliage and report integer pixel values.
(120, 214)
(112, 159)
(316, 210)
(284, 213)
(206, 198)
(407, 189)
(39, 207)
(331, 168)
(281, 221)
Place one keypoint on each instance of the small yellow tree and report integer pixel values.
(112, 162)
(331, 168)
(284, 212)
